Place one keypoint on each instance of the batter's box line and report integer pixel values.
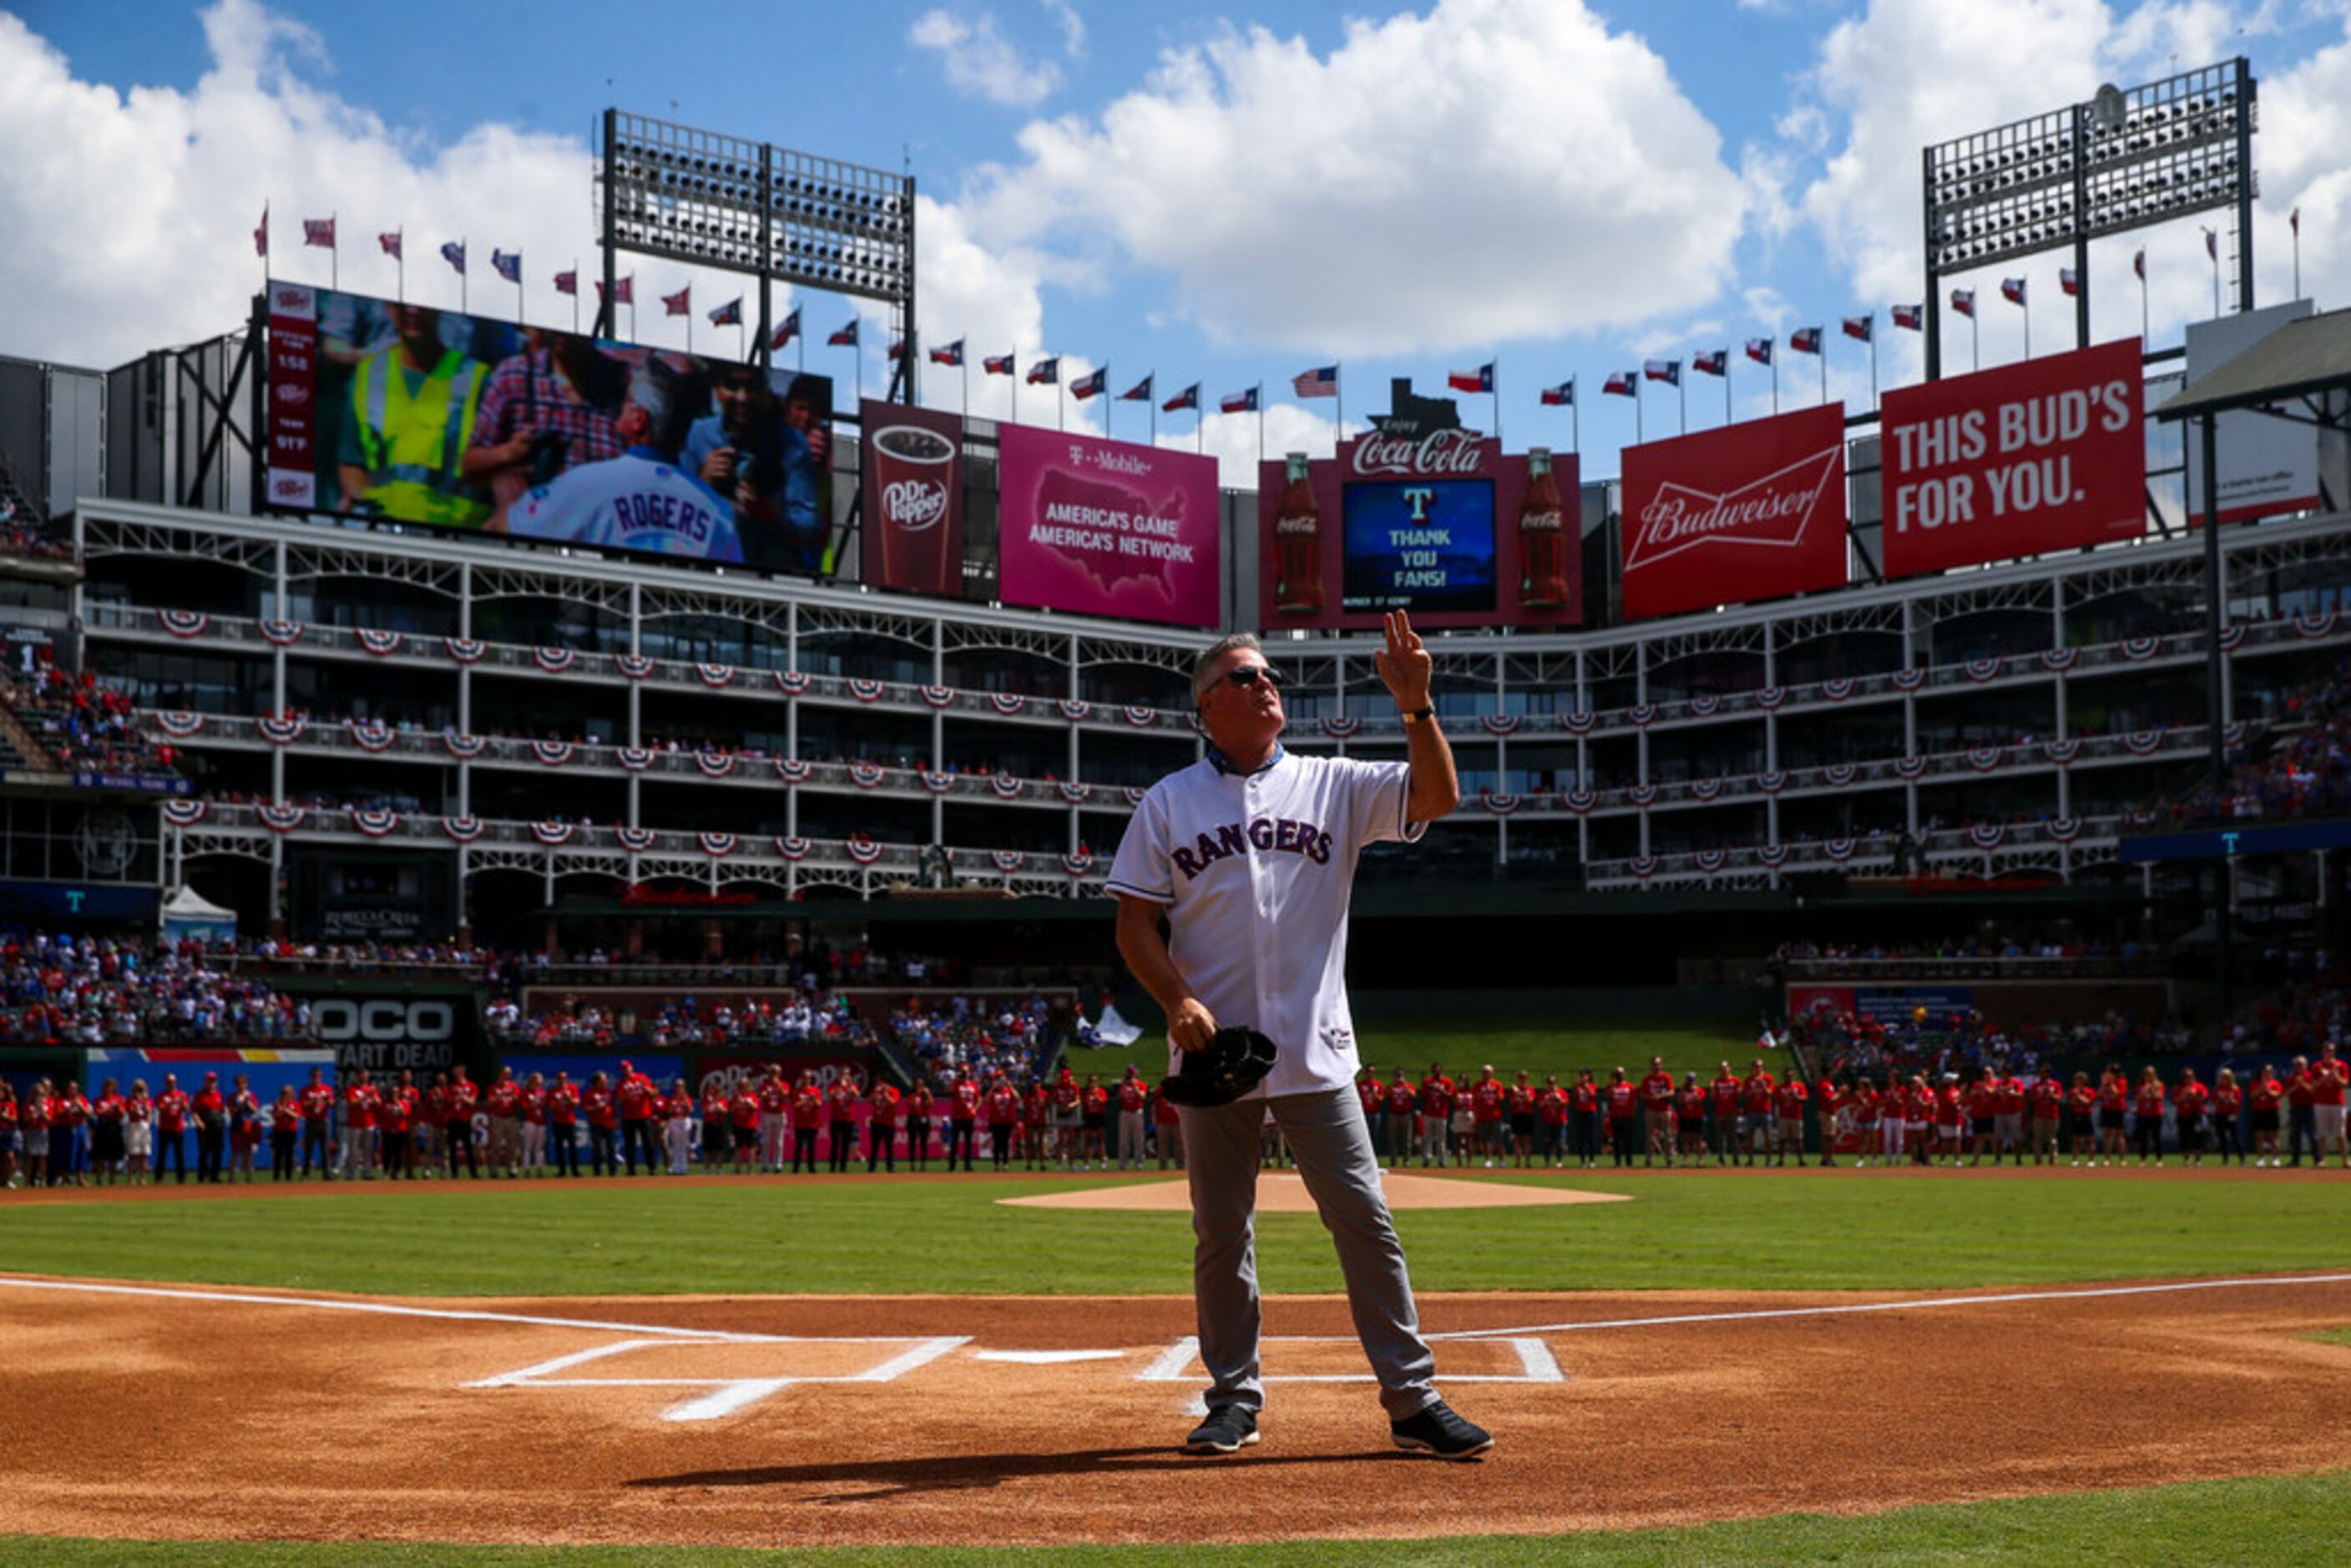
(1536, 1362)
(728, 1395)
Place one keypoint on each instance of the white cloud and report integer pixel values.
(1430, 183)
(981, 62)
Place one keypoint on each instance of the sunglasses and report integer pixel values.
(1248, 676)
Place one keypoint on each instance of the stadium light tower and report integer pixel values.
(713, 200)
(2128, 159)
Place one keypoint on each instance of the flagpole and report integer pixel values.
(1725, 388)
(518, 289)
(1638, 397)
(1259, 400)
(1016, 385)
(857, 358)
(1061, 398)
(575, 296)
(1152, 404)
(1574, 417)
(1681, 394)
(2027, 303)
(400, 262)
(1339, 398)
(1775, 378)
(1495, 364)
(963, 399)
(2294, 222)
(1199, 426)
(264, 245)
(1872, 362)
(335, 252)
(465, 293)
(742, 343)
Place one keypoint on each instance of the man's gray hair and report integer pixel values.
(1231, 642)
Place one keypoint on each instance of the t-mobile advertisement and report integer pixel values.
(913, 465)
(1107, 528)
(1748, 511)
(2043, 455)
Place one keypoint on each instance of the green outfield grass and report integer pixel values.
(1743, 1229)
(2284, 1520)
(1538, 1046)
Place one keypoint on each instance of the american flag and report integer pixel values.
(1321, 382)
(1666, 371)
(2068, 281)
(788, 329)
(319, 232)
(391, 244)
(568, 282)
(1760, 350)
(1239, 402)
(1963, 300)
(1085, 387)
(1911, 317)
(1620, 383)
(1560, 397)
(1189, 398)
(844, 337)
(624, 291)
(1717, 363)
(1045, 373)
(680, 303)
(2012, 291)
(1480, 380)
(1139, 392)
(996, 364)
(1860, 327)
(454, 253)
(1805, 339)
(952, 355)
(729, 314)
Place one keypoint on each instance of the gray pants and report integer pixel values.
(1326, 1133)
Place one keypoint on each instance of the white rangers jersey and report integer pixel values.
(637, 501)
(1256, 872)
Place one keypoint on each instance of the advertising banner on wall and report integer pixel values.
(1107, 528)
(2267, 466)
(1748, 511)
(2044, 456)
(911, 461)
(1440, 523)
(423, 415)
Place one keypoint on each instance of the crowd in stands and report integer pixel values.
(86, 725)
(2304, 772)
(99, 990)
(1964, 1042)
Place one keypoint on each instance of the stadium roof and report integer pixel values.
(2302, 358)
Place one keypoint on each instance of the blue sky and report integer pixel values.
(1227, 194)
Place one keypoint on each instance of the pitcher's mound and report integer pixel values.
(1282, 1192)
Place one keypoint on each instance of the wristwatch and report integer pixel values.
(1421, 715)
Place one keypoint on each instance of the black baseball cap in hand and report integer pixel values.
(1228, 1066)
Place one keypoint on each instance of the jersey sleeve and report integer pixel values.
(1141, 868)
(1376, 794)
(541, 514)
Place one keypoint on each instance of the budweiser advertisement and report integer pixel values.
(1748, 511)
(1437, 521)
(2044, 456)
(1107, 528)
(913, 467)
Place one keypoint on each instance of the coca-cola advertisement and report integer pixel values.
(913, 465)
(1421, 516)
(1747, 511)
(1107, 528)
(2043, 455)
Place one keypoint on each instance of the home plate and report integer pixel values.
(1046, 1357)
(1282, 1192)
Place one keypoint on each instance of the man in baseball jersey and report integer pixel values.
(643, 500)
(1250, 854)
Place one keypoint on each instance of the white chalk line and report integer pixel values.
(1923, 1304)
(730, 1393)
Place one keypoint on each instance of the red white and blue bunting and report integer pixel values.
(1346, 727)
(462, 830)
(1837, 775)
(863, 849)
(794, 771)
(865, 775)
(634, 666)
(1769, 698)
(718, 846)
(1984, 759)
(938, 781)
(1006, 785)
(554, 661)
(282, 731)
(1641, 794)
(1498, 804)
(2064, 829)
(1075, 709)
(634, 759)
(1008, 860)
(1772, 856)
(1643, 714)
(1075, 794)
(2062, 752)
(463, 748)
(2314, 622)
(1706, 706)
(2060, 659)
(713, 763)
(636, 841)
(1499, 724)
(2232, 638)
(2143, 742)
(1987, 835)
(1910, 767)
(937, 696)
(792, 847)
(1579, 801)
(1710, 861)
(281, 819)
(1981, 670)
(1578, 721)
(1007, 702)
(1703, 790)
(2136, 649)
(1140, 718)
(279, 633)
(2233, 733)
(864, 690)
(1077, 865)
(371, 734)
(553, 834)
(185, 622)
(553, 753)
(1907, 680)
(375, 822)
(1839, 850)
(179, 724)
(715, 677)
(1837, 688)
(464, 650)
(1134, 795)
(792, 683)
(383, 644)
(186, 813)
(1644, 866)
(1772, 782)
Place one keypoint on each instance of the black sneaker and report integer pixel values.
(1437, 1430)
(1229, 1429)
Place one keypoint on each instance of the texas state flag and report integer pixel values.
(1860, 327)
(1480, 380)
(1139, 392)
(729, 314)
(1189, 398)
(1046, 373)
(1085, 387)
(2068, 281)
(2012, 291)
(1620, 383)
(1717, 363)
(1760, 350)
(1805, 339)
(996, 364)
(786, 330)
(1239, 403)
(844, 337)
(1963, 300)
(952, 355)
(1560, 397)
(1911, 317)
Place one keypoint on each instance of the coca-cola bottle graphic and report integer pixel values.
(1542, 536)
(1297, 545)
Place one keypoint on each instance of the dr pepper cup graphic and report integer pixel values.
(913, 497)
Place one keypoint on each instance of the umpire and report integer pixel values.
(1250, 855)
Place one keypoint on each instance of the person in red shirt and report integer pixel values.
(2189, 1099)
(1622, 1100)
(2228, 1106)
(1486, 1109)
(1403, 1115)
(1094, 1102)
(1036, 1124)
(841, 1110)
(2330, 1081)
(1829, 1099)
(1069, 1120)
(457, 1123)
(1689, 1115)
(2148, 1103)
(1003, 1107)
(106, 1140)
(69, 1135)
(1551, 1105)
(395, 1111)
(1583, 1120)
(2263, 1097)
(245, 1131)
(531, 1105)
(743, 1115)
(775, 1119)
(1167, 1129)
(10, 1116)
(1789, 1103)
(1868, 1111)
(634, 1098)
(1520, 1100)
(601, 1109)
(138, 1130)
(717, 1125)
(318, 1102)
(563, 1124)
(2008, 1103)
(881, 1103)
(503, 1101)
(918, 1122)
(2114, 1115)
(1919, 1119)
(1371, 1093)
(1657, 1111)
(2082, 1118)
(1133, 1107)
(1976, 1100)
(807, 1119)
(210, 1108)
(285, 1127)
(675, 1111)
(33, 1115)
(964, 1096)
(1950, 1121)
(1725, 1093)
(2047, 1097)
(1436, 1096)
(357, 1098)
(1759, 1095)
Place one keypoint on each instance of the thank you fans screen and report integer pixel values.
(421, 415)
(1426, 546)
